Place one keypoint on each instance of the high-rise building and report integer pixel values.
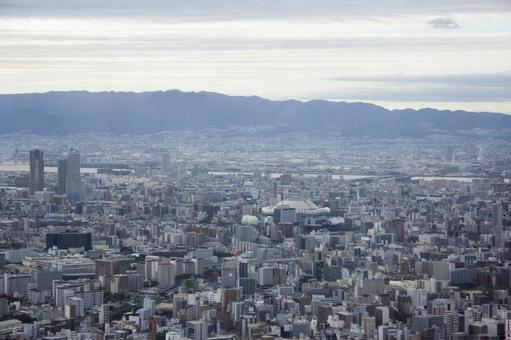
(112, 266)
(4, 307)
(146, 313)
(243, 269)
(229, 277)
(104, 314)
(68, 240)
(498, 224)
(497, 215)
(165, 163)
(74, 308)
(73, 178)
(247, 285)
(62, 176)
(197, 330)
(300, 328)
(449, 154)
(236, 310)
(166, 274)
(36, 181)
(369, 325)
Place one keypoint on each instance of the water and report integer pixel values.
(48, 169)
(446, 178)
(277, 175)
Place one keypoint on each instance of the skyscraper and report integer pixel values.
(36, 182)
(498, 223)
(62, 171)
(73, 179)
(165, 163)
(449, 154)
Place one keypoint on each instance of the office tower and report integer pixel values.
(247, 285)
(236, 310)
(369, 325)
(68, 240)
(497, 215)
(112, 266)
(73, 179)
(146, 313)
(74, 308)
(229, 277)
(150, 305)
(166, 274)
(62, 176)
(267, 276)
(104, 314)
(227, 296)
(15, 283)
(43, 279)
(165, 163)
(301, 328)
(480, 153)
(243, 269)
(4, 307)
(451, 320)
(449, 154)
(498, 223)
(36, 171)
(151, 268)
(382, 315)
(197, 330)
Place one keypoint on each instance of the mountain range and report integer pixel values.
(151, 112)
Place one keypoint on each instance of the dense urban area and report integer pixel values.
(235, 234)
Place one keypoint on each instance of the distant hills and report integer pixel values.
(150, 112)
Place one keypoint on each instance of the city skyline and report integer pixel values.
(255, 170)
(195, 235)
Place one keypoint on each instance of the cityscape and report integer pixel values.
(187, 235)
(255, 170)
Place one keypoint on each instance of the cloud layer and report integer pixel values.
(443, 23)
(452, 54)
(207, 10)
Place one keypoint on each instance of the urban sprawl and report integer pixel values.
(228, 235)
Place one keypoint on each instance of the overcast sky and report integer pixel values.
(437, 53)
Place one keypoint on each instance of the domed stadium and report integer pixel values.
(302, 207)
(297, 211)
(249, 220)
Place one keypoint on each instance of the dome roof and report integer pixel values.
(267, 211)
(297, 204)
(249, 220)
(303, 207)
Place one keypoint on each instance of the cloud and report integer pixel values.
(502, 79)
(425, 94)
(272, 48)
(443, 23)
(482, 87)
(247, 9)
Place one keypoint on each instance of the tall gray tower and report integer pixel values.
(165, 163)
(73, 178)
(498, 224)
(62, 176)
(36, 181)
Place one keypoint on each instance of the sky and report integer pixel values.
(447, 54)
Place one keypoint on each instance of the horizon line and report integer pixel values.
(340, 101)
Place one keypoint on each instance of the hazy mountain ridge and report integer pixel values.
(149, 112)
